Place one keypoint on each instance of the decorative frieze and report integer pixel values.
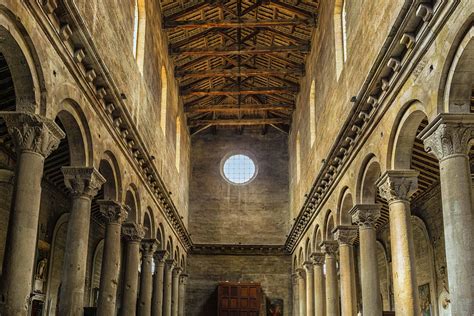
(226, 249)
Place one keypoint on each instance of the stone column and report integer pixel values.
(301, 292)
(319, 284)
(35, 138)
(149, 247)
(396, 186)
(169, 265)
(183, 279)
(329, 247)
(345, 236)
(447, 137)
(114, 214)
(83, 183)
(366, 215)
(157, 300)
(294, 283)
(308, 266)
(133, 234)
(7, 180)
(175, 291)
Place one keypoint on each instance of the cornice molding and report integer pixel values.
(69, 36)
(415, 29)
(248, 250)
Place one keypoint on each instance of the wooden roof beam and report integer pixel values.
(239, 72)
(241, 91)
(234, 50)
(234, 108)
(238, 122)
(195, 6)
(233, 24)
(292, 8)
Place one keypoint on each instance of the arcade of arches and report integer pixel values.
(155, 153)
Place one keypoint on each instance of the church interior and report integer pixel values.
(236, 157)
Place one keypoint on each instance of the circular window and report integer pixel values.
(239, 169)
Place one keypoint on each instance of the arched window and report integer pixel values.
(340, 35)
(312, 112)
(178, 142)
(298, 157)
(139, 25)
(164, 99)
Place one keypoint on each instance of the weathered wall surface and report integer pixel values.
(255, 213)
(272, 272)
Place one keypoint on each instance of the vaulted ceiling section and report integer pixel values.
(239, 62)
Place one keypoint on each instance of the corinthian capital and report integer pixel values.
(365, 215)
(449, 134)
(318, 258)
(133, 231)
(149, 246)
(113, 212)
(82, 181)
(345, 235)
(33, 133)
(398, 185)
(160, 256)
(329, 247)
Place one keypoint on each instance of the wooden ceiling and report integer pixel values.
(239, 62)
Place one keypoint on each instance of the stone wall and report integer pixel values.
(255, 213)
(272, 272)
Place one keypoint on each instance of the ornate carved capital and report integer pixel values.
(329, 247)
(113, 212)
(82, 181)
(31, 132)
(345, 235)
(183, 278)
(170, 263)
(133, 231)
(300, 273)
(318, 258)
(160, 256)
(398, 185)
(308, 266)
(177, 271)
(365, 215)
(448, 135)
(149, 246)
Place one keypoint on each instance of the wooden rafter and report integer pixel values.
(235, 50)
(233, 108)
(242, 91)
(232, 24)
(231, 122)
(237, 72)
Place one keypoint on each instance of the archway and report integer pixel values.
(345, 205)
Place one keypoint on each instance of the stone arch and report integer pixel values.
(95, 273)
(176, 255)
(160, 236)
(56, 260)
(458, 73)
(18, 52)
(308, 249)
(132, 200)
(169, 247)
(384, 275)
(424, 256)
(329, 225)
(183, 263)
(317, 238)
(295, 262)
(370, 172)
(344, 206)
(300, 257)
(109, 169)
(403, 135)
(148, 224)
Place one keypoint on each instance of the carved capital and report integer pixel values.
(398, 185)
(170, 263)
(82, 181)
(308, 266)
(149, 246)
(183, 279)
(113, 212)
(345, 235)
(160, 256)
(133, 231)
(365, 215)
(33, 133)
(300, 273)
(318, 258)
(329, 247)
(177, 271)
(448, 135)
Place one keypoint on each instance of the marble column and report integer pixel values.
(158, 279)
(175, 291)
(7, 181)
(319, 284)
(366, 215)
(345, 236)
(114, 215)
(294, 284)
(83, 183)
(183, 279)
(396, 186)
(300, 276)
(447, 137)
(149, 247)
(308, 267)
(167, 294)
(133, 234)
(35, 138)
(329, 247)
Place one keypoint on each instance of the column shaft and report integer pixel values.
(309, 288)
(175, 291)
(347, 271)
(158, 280)
(301, 292)
(146, 282)
(294, 284)
(332, 293)
(167, 288)
(130, 289)
(319, 291)
(182, 294)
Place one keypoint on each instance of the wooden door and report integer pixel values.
(239, 299)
